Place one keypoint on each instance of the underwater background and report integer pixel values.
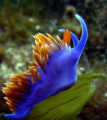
(21, 19)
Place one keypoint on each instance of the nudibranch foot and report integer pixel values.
(18, 115)
(54, 70)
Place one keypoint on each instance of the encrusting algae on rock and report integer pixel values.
(54, 70)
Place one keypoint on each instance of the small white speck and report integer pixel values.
(81, 68)
(105, 94)
(37, 27)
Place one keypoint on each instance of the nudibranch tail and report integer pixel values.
(53, 70)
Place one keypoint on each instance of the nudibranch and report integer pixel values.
(54, 70)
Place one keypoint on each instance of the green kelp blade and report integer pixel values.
(67, 104)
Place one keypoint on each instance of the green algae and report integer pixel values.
(67, 104)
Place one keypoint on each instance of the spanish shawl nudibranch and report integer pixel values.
(53, 71)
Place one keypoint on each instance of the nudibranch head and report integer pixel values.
(53, 71)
